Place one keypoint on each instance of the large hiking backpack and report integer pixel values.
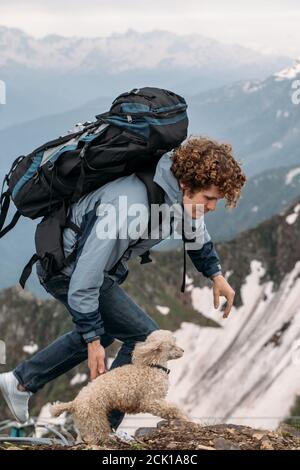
(140, 126)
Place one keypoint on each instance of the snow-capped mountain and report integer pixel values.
(55, 74)
(124, 51)
(260, 118)
(290, 73)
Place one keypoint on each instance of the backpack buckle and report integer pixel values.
(36, 176)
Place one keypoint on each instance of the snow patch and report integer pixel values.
(228, 274)
(78, 379)
(45, 419)
(291, 175)
(291, 218)
(288, 73)
(163, 310)
(31, 348)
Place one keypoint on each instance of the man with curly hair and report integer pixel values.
(197, 174)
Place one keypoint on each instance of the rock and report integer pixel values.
(92, 447)
(225, 444)
(144, 432)
(201, 447)
(179, 423)
(13, 448)
(266, 445)
(259, 435)
(190, 437)
(162, 424)
(230, 430)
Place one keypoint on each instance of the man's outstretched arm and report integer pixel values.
(206, 260)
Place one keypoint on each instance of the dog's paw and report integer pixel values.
(179, 421)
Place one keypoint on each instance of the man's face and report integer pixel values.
(207, 198)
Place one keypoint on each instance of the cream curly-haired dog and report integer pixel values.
(140, 387)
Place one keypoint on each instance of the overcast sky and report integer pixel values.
(269, 25)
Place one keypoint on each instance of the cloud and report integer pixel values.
(154, 7)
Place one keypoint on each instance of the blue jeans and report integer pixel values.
(122, 319)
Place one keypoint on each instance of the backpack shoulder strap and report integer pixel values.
(156, 194)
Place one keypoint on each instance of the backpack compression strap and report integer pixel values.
(69, 259)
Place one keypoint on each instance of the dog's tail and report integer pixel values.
(58, 408)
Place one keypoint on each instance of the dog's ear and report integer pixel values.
(150, 346)
(159, 339)
(156, 344)
(148, 351)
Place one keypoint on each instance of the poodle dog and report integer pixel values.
(140, 387)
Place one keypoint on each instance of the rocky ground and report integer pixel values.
(191, 436)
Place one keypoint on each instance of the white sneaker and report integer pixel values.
(16, 400)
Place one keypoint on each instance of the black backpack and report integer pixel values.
(139, 128)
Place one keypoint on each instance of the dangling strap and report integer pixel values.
(184, 268)
(184, 252)
(11, 225)
(5, 199)
(4, 206)
(5, 180)
(28, 270)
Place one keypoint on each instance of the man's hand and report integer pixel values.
(222, 288)
(96, 359)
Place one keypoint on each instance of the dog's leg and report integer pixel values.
(164, 410)
(93, 428)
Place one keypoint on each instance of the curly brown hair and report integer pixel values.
(201, 162)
